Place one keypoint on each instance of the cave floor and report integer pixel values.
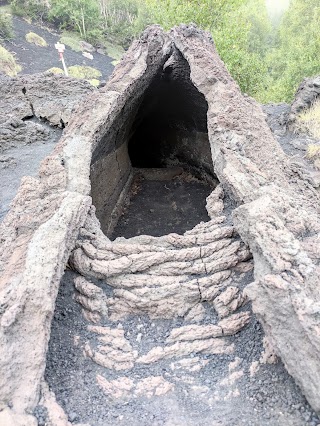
(160, 207)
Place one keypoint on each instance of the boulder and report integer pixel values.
(87, 46)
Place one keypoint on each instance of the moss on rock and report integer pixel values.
(8, 64)
(36, 39)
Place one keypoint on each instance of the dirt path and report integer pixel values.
(34, 59)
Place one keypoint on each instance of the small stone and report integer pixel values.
(72, 416)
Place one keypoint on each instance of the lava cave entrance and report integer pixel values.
(159, 146)
(171, 123)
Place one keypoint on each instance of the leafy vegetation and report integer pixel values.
(113, 50)
(80, 15)
(33, 9)
(309, 120)
(295, 54)
(6, 29)
(8, 64)
(36, 39)
(95, 82)
(241, 42)
(82, 72)
(56, 70)
(122, 20)
(268, 57)
(88, 73)
(71, 39)
(313, 153)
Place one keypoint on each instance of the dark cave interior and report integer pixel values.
(170, 126)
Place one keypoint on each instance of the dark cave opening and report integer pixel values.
(170, 153)
(170, 127)
(162, 126)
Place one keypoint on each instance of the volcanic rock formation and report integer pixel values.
(173, 92)
(307, 93)
(41, 97)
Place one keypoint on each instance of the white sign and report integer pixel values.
(60, 47)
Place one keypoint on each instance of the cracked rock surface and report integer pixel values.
(161, 276)
(33, 111)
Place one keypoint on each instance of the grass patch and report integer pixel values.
(114, 51)
(8, 64)
(81, 72)
(313, 154)
(5, 9)
(309, 120)
(56, 70)
(94, 82)
(88, 73)
(313, 151)
(36, 39)
(72, 40)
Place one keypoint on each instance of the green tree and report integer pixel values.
(207, 14)
(120, 19)
(35, 9)
(241, 39)
(240, 28)
(6, 28)
(297, 51)
(80, 15)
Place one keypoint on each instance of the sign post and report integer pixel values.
(61, 48)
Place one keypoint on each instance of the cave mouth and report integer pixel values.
(170, 127)
(161, 128)
(169, 151)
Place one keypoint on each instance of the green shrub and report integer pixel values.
(82, 72)
(56, 70)
(36, 10)
(240, 29)
(88, 73)
(95, 82)
(6, 28)
(82, 16)
(71, 39)
(113, 50)
(120, 20)
(36, 39)
(8, 64)
(296, 53)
